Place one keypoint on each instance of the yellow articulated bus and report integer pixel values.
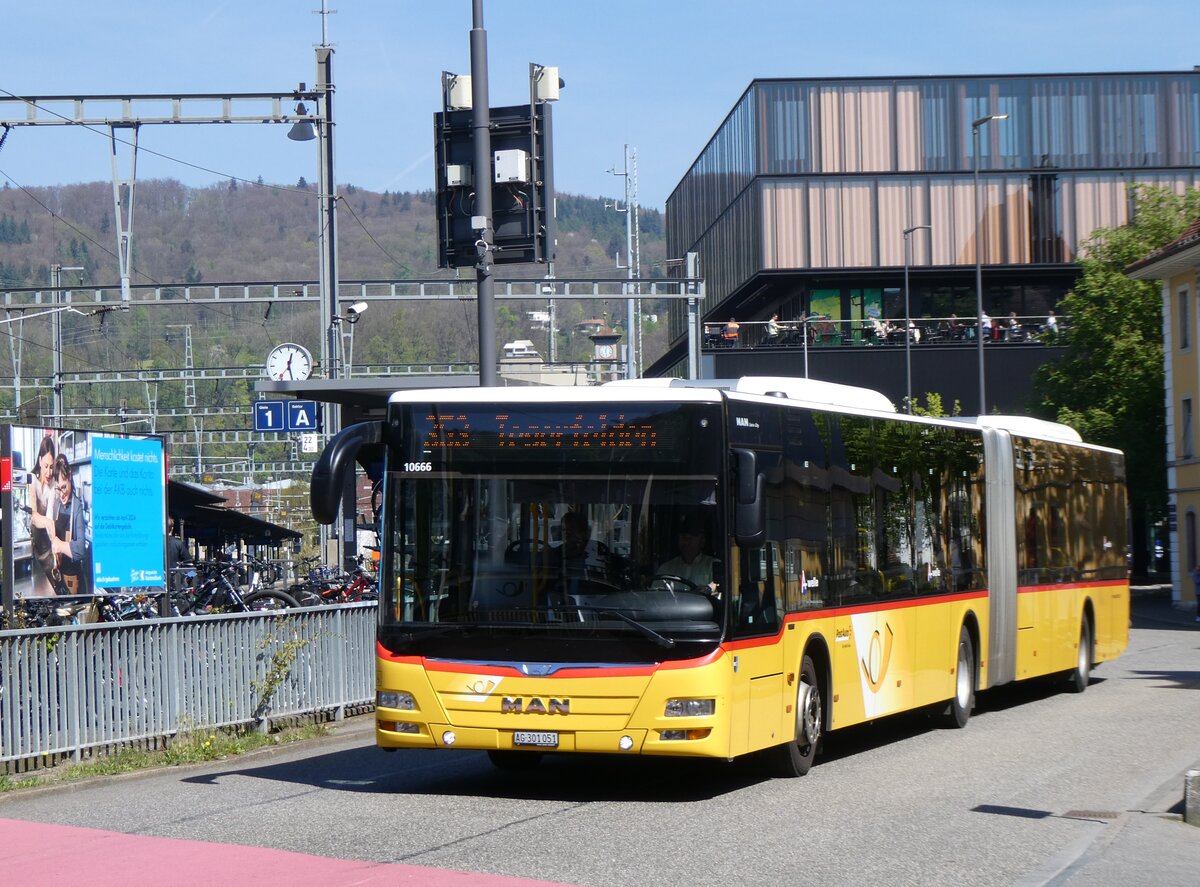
(720, 568)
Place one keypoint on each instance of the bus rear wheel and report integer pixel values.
(963, 701)
(1078, 677)
(796, 758)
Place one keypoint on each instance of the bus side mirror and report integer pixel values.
(329, 474)
(749, 519)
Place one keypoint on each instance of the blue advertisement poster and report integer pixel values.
(128, 504)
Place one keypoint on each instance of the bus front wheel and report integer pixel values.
(959, 710)
(795, 758)
(1078, 677)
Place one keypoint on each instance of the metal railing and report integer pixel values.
(823, 332)
(67, 690)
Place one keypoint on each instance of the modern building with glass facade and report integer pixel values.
(799, 203)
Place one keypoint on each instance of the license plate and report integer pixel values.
(538, 738)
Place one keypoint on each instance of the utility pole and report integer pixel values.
(632, 309)
(56, 331)
(189, 365)
(481, 221)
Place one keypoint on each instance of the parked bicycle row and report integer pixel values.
(204, 587)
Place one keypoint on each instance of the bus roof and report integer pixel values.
(809, 391)
(1026, 426)
(549, 394)
(795, 390)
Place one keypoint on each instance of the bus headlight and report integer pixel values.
(690, 708)
(395, 699)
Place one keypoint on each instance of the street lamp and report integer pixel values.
(907, 318)
(353, 315)
(975, 126)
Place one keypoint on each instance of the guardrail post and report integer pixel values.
(339, 655)
(70, 645)
(1191, 797)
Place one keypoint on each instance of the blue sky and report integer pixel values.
(658, 76)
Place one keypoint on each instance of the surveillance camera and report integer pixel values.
(353, 312)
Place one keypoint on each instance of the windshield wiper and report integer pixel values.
(436, 629)
(644, 630)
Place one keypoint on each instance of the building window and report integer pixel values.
(1185, 322)
(1190, 531)
(1186, 450)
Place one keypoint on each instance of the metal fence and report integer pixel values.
(67, 690)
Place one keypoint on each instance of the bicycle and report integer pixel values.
(217, 590)
(323, 588)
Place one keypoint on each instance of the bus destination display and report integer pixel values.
(506, 430)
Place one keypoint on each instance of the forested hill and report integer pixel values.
(259, 232)
(240, 232)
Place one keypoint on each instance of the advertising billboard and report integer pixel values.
(84, 512)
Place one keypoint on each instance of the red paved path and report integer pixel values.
(35, 853)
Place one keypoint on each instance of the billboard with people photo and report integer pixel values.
(84, 512)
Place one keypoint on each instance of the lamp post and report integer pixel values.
(975, 126)
(908, 318)
(353, 315)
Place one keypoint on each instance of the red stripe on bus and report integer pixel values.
(564, 672)
(836, 612)
(1105, 583)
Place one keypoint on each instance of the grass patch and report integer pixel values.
(187, 748)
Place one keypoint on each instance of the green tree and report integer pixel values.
(1109, 386)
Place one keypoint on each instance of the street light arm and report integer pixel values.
(975, 124)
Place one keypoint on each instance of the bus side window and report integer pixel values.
(759, 582)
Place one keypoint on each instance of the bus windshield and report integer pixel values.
(559, 534)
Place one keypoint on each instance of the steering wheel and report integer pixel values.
(519, 545)
(673, 583)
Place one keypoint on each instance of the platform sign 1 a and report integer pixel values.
(269, 415)
(301, 415)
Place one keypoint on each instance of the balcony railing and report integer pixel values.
(823, 332)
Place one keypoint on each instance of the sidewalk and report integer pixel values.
(1150, 842)
(1152, 603)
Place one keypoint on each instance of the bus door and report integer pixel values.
(756, 614)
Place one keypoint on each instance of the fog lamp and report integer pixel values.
(400, 726)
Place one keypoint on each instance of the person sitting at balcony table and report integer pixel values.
(773, 329)
(880, 329)
(956, 327)
(1051, 324)
(914, 332)
(985, 325)
(730, 335)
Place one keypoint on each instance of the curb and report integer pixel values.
(348, 728)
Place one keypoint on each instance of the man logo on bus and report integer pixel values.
(879, 655)
(535, 706)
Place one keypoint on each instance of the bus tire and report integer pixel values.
(505, 759)
(1081, 674)
(958, 712)
(796, 757)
